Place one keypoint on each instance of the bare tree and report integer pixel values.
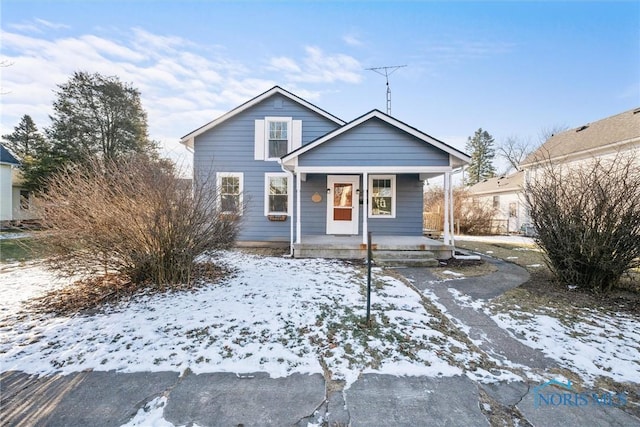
(514, 150)
(133, 217)
(547, 132)
(588, 219)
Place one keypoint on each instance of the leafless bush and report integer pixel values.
(588, 219)
(472, 218)
(131, 216)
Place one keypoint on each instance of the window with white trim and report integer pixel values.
(277, 194)
(382, 196)
(278, 137)
(230, 185)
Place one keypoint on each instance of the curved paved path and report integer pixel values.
(482, 329)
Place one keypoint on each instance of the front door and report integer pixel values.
(342, 204)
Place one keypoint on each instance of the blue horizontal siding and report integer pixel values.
(374, 143)
(229, 147)
(409, 202)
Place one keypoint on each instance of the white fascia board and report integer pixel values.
(391, 170)
(396, 123)
(188, 139)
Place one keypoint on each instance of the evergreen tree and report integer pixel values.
(33, 151)
(98, 116)
(482, 154)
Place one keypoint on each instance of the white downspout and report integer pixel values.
(290, 176)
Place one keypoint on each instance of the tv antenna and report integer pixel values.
(386, 72)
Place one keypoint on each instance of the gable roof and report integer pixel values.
(609, 133)
(499, 184)
(6, 157)
(189, 138)
(462, 157)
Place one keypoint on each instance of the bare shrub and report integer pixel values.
(470, 217)
(134, 217)
(588, 219)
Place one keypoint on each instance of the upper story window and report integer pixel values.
(278, 139)
(382, 191)
(276, 136)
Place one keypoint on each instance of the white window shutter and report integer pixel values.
(259, 141)
(296, 134)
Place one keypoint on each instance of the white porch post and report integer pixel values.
(365, 207)
(452, 223)
(447, 207)
(298, 209)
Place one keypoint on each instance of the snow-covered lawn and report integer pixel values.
(274, 314)
(512, 239)
(591, 343)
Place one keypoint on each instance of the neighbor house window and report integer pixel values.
(382, 196)
(513, 210)
(277, 194)
(230, 185)
(24, 200)
(496, 202)
(278, 138)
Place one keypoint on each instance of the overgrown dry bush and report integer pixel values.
(588, 219)
(133, 217)
(471, 218)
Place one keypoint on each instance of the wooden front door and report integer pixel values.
(342, 204)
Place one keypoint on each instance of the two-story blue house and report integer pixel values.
(305, 177)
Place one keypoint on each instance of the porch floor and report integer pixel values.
(410, 249)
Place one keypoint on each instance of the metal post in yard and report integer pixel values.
(369, 256)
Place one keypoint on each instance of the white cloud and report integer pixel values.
(183, 85)
(318, 67)
(352, 40)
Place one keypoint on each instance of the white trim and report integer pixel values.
(365, 207)
(273, 119)
(447, 205)
(267, 177)
(343, 227)
(372, 169)
(240, 177)
(296, 134)
(298, 210)
(393, 122)
(393, 196)
(189, 138)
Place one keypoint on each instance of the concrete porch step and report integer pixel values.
(405, 258)
(407, 262)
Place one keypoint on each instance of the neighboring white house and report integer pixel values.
(7, 164)
(504, 195)
(601, 139)
(604, 138)
(15, 200)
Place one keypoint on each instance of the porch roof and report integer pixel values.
(456, 157)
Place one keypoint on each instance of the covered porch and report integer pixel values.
(386, 250)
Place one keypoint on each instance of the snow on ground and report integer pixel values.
(514, 240)
(589, 342)
(275, 315)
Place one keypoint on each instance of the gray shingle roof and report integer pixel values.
(500, 184)
(610, 132)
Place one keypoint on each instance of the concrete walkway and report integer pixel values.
(224, 399)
